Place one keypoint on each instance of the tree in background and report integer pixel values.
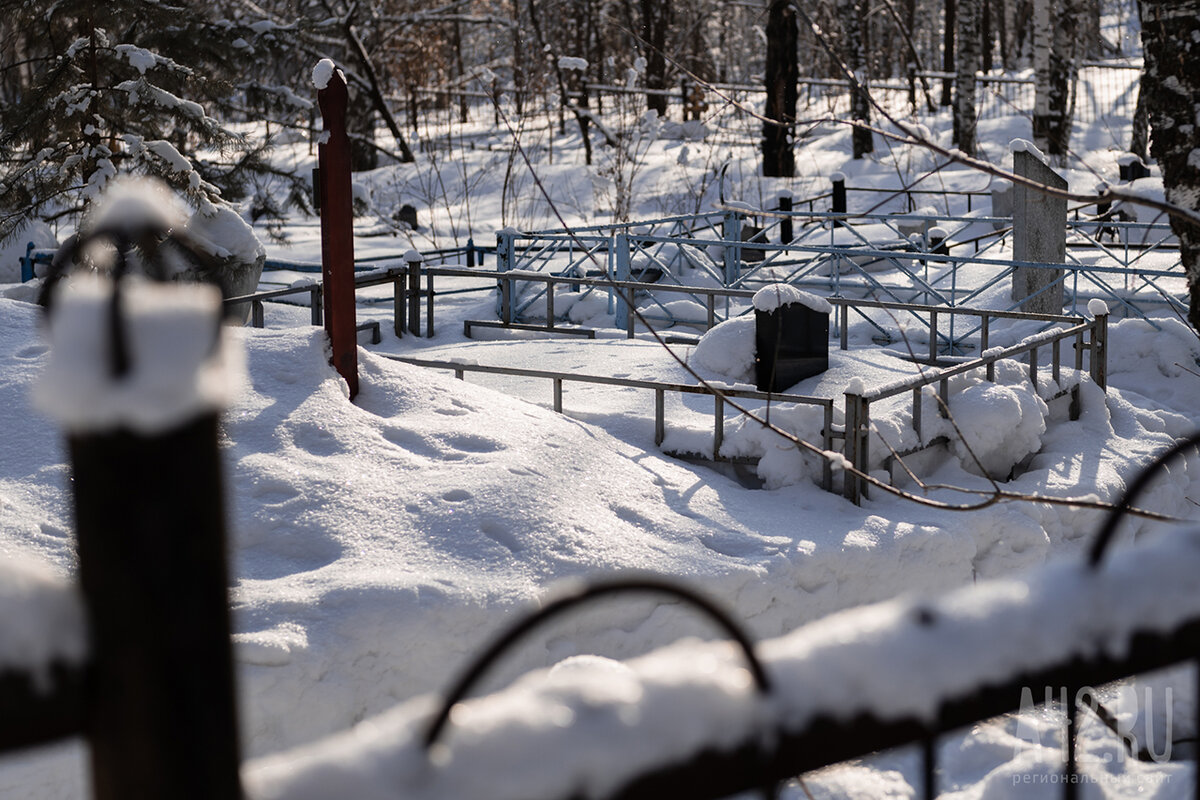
(1171, 83)
(656, 21)
(966, 65)
(779, 161)
(1056, 63)
(130, 87)
(855, 55)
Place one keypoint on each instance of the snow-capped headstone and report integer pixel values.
(1039, 232)
(791, 338)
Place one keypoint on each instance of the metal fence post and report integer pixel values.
(839, 192)
(412, 260)
(1098, 361)
(855, 447)
(621, 254)
(786, 234)
(337, 231)
(505, 262)
(316, 304)
(27, 264)
(732, 234)
(150, 518)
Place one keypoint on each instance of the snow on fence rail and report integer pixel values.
(710, 720)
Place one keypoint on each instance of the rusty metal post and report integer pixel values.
(1098, 361)
(337, 231)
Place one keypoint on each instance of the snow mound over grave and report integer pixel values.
(590, 731)
(728, 349)
(1000, 426)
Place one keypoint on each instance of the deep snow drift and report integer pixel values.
(378, 543)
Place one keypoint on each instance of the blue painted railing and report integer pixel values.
(896, 257)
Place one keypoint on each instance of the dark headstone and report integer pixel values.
(752, 233)
(407, 215)
(791, 343)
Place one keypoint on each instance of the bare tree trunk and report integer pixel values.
(656, 18)
(563, 89)
(1091, 45)
(375, 90)
(460, 69)
(1055, 49)
(1139, 139)
(360, 125)
(1171, 82)
(779, 161)
(855, 57)
(1000, 16)
(985, 36)
(948, 50)
(967, 63)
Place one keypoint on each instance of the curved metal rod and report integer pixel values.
(1110, 523)
(151, 239)
(573, 598)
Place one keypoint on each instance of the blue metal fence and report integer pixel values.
(902, 258)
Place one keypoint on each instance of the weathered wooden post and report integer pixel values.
(337, 223)
(1039, 233)
(137, 374)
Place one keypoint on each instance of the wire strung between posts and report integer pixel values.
(1105, 537)
(576, 597)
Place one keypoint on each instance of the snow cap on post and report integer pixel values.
(323, 71)
(181, 362)
(771, 297)
(128, 352)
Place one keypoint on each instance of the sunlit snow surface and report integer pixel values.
(376, 545)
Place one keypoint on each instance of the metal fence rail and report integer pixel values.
(903, 258)
(660, 389)
(1088, 335)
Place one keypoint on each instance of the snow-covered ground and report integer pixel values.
(377, 544)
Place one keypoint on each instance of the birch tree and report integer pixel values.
(1055, 61)
(1171, 83)
(966, 65)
